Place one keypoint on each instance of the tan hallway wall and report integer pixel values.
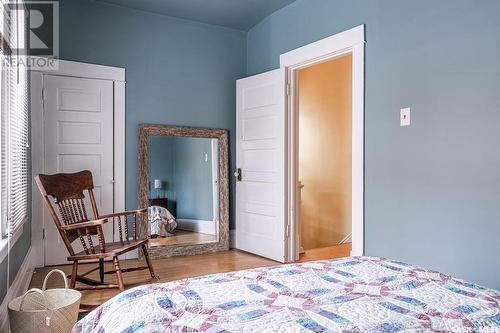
(325, 152)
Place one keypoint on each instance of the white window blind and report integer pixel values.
(3, 140)
(15, 122)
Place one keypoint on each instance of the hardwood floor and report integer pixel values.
(169, 269)
(336, 251)
(175, 268)
(183, 237)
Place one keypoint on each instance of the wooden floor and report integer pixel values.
(176, 268)
(336, 251)
(183, 237)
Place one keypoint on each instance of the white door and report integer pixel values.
(260, 155)
(78, 131)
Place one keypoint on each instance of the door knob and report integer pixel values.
(237, 175)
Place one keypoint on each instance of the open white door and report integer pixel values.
(260, 159)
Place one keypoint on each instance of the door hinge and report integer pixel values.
(287, 231)
(43, 94)
(288, 89)
(43, 233)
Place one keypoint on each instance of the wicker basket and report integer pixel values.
(53, 310)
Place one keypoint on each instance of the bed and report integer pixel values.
(356, 294)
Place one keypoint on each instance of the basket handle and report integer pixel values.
(50, 273)
(33, 290)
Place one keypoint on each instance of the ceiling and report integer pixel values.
(236, 14)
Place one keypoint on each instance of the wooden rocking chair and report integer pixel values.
(67, 190)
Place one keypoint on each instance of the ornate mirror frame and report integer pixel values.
(145, 133)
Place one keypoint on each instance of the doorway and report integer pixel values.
(348, 43)
(267, 150)
(325, 158)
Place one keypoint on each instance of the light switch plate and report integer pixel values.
(405, 117)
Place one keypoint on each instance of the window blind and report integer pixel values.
(15, 126)
(3, 143)
(5, 27)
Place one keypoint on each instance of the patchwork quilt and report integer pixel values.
(356, 294)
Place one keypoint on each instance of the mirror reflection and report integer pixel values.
(183, 190)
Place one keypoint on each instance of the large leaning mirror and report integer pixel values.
(183, 180)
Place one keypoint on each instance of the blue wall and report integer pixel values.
(178, 72)
(186, 177)
(193, 178)
(161, 166)
(12, 263)
(433, 189)
(4, 286)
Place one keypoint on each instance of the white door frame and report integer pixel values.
(214, 144)
(347, 42)
(79, 70)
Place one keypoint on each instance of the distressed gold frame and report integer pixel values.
(148, 130)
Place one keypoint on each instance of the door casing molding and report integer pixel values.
(348, 42)
(78, 70)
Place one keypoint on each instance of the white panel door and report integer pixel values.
(260, 155)
(78, 132)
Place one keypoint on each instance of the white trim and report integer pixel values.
(347, 42)
(119, 146)
(215, 179)
(7, 243)
(358, 156)
(324, 48)
(37, 165)
(80, 70)
(201, 226)
(119, 198)
(18, 287)
(84, 70)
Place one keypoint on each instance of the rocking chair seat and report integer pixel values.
(112, 250)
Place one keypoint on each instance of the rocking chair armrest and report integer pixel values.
(130, 212)
(84, 225)
(126, 222)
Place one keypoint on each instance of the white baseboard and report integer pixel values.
(18, 287)
(201, 226)
(232, 238)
